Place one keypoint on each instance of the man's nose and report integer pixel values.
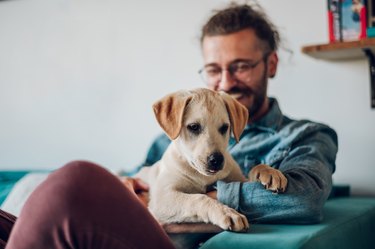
(227, 81)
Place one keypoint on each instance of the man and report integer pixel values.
(239, 46)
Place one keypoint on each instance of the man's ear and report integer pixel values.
(238, 115)
(272, 61)
(169, 112)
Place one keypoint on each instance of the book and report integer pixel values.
(370, 13)
(334, 20)
(353, 19)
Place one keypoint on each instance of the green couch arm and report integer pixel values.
(348, 222)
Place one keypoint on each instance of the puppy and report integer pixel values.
(199, 123)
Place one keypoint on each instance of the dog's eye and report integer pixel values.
(223, 129)
(194, 128)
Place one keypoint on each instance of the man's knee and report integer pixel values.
(75, 182)
(80, 169)
(79, 175)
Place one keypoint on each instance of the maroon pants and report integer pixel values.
(82, 205)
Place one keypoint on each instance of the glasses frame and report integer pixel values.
(232, 68)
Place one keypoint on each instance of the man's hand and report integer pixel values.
(138, 187)
(212, 194)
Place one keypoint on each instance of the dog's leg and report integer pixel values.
(180, 207)
(269, 177)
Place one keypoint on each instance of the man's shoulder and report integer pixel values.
(162, 140)
(289, 123)
(157, 149)
(305, 127)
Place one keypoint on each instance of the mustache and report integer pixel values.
(241, 90)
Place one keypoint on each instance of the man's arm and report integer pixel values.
(308, 167)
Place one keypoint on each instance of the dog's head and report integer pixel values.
(200, 121)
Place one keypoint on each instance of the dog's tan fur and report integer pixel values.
(179, 181)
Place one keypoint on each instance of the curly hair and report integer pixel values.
(239, 17)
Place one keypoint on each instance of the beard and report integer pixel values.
(252, 97)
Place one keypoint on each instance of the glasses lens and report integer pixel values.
(243, 70)
(203, 75)
(210, 74)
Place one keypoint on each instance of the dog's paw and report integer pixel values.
(272, 179)
(229, 219)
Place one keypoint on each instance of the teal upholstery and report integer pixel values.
(7, 181)
(349, 222)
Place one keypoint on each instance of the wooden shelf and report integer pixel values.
(340, 50)
(347, 51)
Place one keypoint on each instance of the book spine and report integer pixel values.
(363, 23)
(370, 7)
(330, 26)
(334, 20)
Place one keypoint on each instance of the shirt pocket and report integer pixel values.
(276, 157)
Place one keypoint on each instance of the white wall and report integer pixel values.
(78, 78)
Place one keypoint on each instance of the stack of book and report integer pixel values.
(350, 20)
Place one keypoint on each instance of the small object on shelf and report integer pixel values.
(370, 7)
(347, 19)
(371, 32)
(334, 20)
(354, 20)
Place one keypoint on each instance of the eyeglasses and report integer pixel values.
(241, 70)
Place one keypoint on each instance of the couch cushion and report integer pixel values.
(7, 180)
(348, 223)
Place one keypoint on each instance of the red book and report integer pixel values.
(334, 20)
(363, 23)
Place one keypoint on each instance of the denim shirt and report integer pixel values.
(303, 150)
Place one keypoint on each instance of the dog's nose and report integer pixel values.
(215, 161)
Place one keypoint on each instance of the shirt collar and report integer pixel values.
(273, 118)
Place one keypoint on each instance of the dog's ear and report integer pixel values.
(169, 112)
(238, 114)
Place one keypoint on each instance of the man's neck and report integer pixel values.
(261, 112)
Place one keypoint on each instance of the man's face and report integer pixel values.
(250, 87)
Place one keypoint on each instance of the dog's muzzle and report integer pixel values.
(215, 162)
